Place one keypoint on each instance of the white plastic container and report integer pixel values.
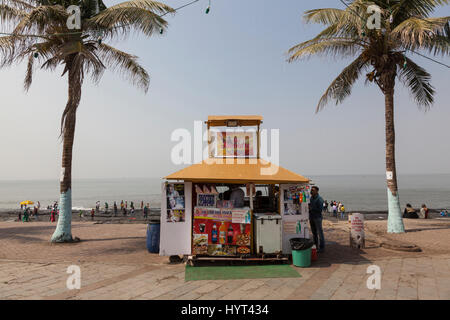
(268, 233)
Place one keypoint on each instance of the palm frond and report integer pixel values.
(326, 16)
(332, 46)
(341, 87)
(9, 13)
(141, 15)
(410, 8)
(40, 18)
(417, 33)
(417, 80)
(126, 64)
(21, 4)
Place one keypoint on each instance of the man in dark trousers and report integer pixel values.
(315, 218)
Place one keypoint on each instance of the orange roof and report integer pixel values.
(212, 118)
(249, 120)
(237, 171)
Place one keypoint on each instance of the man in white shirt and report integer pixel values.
(237, 196)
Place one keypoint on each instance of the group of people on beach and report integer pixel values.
(410, 212)
(334, 208)
(123, 208)
(26, 213)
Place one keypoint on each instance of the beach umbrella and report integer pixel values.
(27, 202)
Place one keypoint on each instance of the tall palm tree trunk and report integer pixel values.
(395, 221)
(63, 232)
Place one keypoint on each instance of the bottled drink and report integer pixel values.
(214, 234)
(298, 228)
(230, 234)
(222, 233)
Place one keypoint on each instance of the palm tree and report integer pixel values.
(405, 26)
(41, 35)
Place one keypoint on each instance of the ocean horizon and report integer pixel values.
(365, 192)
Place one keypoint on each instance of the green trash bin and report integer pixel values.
(301, 258)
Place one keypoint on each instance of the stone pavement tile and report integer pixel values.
(443, 285)
(285, 289)
(185, 290)
(164, 286)
(408, 281)
(209, 286)
(389, 280)
(327, 289)
(224, 289)
(244, 291)
(440, 266)
(427, 289)
(351, 282)
(386, 266)
(314, 279)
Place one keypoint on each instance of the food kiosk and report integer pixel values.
(233, 205)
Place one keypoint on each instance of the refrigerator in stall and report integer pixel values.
(268, 233)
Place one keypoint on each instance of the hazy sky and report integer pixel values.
(231, 61)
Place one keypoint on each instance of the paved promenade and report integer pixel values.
(115, 264)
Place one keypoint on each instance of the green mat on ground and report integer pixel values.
(239, 272)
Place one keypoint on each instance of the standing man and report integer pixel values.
(115, 209)
(315, 218)
(106, 207)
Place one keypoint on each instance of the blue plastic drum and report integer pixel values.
(153, 231)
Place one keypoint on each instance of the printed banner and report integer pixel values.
(175, 202)
(215, 237)
(240, 216)
(357, 236)
(236, 144)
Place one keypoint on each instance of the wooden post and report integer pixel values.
(258, 139)
(209, 141)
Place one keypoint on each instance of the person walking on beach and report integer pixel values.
(334, 210)
(115, 209)
(315, 218)
(20, 215)
(342, 211)
(92, 214)
(424, 212)
(121, 205)
(81, 214)
(26, 215)
(52, 215)
(325, 206)
(106, 207)
(36, 213)
(145, 212)
(126, 204)
(132, 205)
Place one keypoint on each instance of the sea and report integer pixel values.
(356, 192)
